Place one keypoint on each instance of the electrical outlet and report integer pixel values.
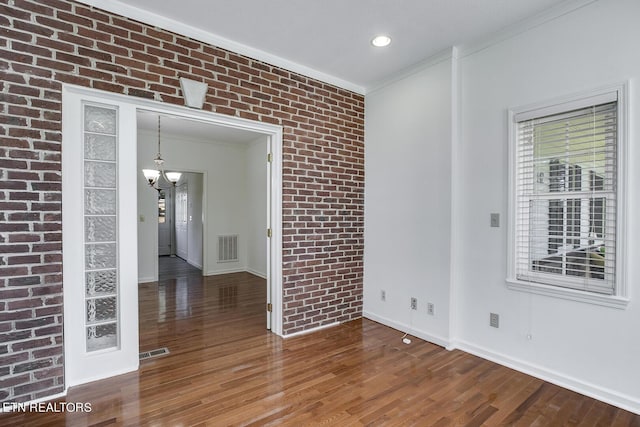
(414, 303)
(383, 295)
(494, 320)
(430, 309)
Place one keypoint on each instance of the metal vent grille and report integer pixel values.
(153, 353)
(228, 248)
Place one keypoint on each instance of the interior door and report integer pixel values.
(99, 239)
(165, 209)
(181, 221)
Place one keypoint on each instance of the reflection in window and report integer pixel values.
(566, 171)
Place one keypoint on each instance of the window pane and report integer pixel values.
(565, 201)
(101, 337)
(100, 226)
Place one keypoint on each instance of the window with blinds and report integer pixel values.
(566, 194)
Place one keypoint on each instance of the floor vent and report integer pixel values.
(228, 248)
(153, 353)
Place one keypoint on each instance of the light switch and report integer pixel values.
(495, 220)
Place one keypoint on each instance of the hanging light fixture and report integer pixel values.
(152, 175)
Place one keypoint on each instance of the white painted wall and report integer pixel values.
(589, 348)
(407, 202)
(223, 165)
(257, 206)
(584, 346)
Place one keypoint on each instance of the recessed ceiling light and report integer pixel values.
(381, 41)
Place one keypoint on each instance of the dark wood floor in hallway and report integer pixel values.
(224, 368)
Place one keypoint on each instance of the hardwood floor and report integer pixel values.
(224, 368)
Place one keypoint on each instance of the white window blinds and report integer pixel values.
(566, 189)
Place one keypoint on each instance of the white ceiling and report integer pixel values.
(193, 129)
(330, 39)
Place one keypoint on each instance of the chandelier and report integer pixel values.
(152, 175)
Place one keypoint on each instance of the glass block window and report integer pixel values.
(100, 227)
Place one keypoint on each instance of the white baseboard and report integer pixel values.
(611, 397)
(257, 273)
(131, 368)
(147, 279)
(228, 271)
(309, 331)
(194, 264)
(435, 339)
(9, 407)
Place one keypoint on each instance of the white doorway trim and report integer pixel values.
(274, 190)
(274, 209)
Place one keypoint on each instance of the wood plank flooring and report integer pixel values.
(224, 368)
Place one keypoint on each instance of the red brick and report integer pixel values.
(90, 34)
(32, 49)
(14, 12)
(33, 386)
(25, 259)
(74, 18)
(31, 344)
(75, 40)
(54, 23)
(159, 34)
(134, 27)
(55, 65)
(6, 294)
(323, 146)
(91, 13)
(72, 58)
(16, 35)
(47, 352)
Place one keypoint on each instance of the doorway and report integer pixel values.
(165, 222)
(120, 355)
(217, 215)
(179, 219)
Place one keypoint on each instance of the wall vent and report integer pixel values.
(228, 248)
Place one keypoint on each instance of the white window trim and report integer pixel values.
(621, 297)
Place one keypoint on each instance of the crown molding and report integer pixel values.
(460, 51)
(443, 55)
(126, 10)
(122, 9)
(522, 26)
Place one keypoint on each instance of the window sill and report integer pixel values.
(612, 301)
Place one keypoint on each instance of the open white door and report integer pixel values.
(100, 238)
(269, 235)
(181, 220)
(165, 221)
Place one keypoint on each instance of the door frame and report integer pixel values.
(274, 208)
(81, 364)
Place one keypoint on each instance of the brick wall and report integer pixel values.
(44, 44)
